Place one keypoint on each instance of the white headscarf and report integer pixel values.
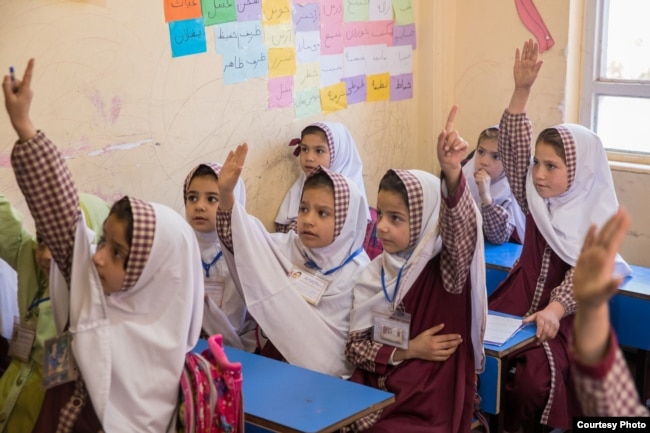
(130, 346)
(230, 319)
(590, 199)
(344, 159)
(309, 336)
(368, 292)
(501, 194)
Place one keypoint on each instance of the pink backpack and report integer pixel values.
(211, 392)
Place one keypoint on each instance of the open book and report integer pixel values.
(500, 329)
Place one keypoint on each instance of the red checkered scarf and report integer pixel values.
(144, 227)
(341, 198)
(214, 166)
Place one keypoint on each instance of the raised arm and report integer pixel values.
(228, 177)
(42, 175)
(515, 129)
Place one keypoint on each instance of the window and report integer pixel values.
(615, 100)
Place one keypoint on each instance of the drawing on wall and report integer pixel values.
(319, 56)
(535, 24)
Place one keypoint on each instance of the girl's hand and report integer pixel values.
(547, 321)
(526, 65)
(229, 176)
(431, 347)
(483, 181)
(593, 283)
(18, 99)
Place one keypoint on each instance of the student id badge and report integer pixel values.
(215, 289)
(59, 366)
(22, 339)
(391, 328)
(311, 287)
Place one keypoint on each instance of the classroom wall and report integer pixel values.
(133, 120)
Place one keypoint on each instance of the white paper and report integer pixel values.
(499, 329)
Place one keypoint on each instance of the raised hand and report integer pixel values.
(452, 149)
(18, 99)
(229, 175)
(527, 65)
(593, 283)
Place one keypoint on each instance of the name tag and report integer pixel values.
(22, 339)
(311, 287)
(215, 290)
(59, 366)
(391, 328)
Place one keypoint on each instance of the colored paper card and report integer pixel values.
(257, 63)
(218, 11)
(226, 38)
(400, 60)
(355, 34)
(307, 102)
(249, 10)
(378, 87)
(380, 10)
(401, 87)
(307, 46)
(331, 12)
(355, 89)
(376, 59)
(403, 10)
(333, 98)
(276, 12)
(331, 70)
(234, 68)
(354, 61)
(307, 76)
(187, 37)
(356, 10)
(305, 2)
(250, 34)
(177, 10)
(280, 92)
(404, 35)
(381, 32)
(331, 39)
(306, 18)
(282, 62)
(279, 36)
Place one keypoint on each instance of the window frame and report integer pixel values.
(595, 33)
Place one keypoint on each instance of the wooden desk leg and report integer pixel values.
(642, 373)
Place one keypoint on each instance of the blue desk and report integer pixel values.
(630, 316)
(499, 259)
(285, 398)
(496, 367)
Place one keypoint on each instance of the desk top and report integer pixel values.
(638, 284)
(503, 256)
(520, 339)
(287, 398)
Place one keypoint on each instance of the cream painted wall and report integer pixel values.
(132, 120)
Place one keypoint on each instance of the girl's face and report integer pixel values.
(201, 204)
(487, 158)
(316, 217)
(314, 151)
(112, 252)
(393, 227)
(550, 173)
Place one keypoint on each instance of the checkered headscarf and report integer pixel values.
(215, 167)
(144, 227)
(415, 204)
(341, 197)
(569, 151)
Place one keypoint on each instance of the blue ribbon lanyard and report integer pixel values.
(312, 265)
(207, 266)
(383, 286)
(37, 300)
